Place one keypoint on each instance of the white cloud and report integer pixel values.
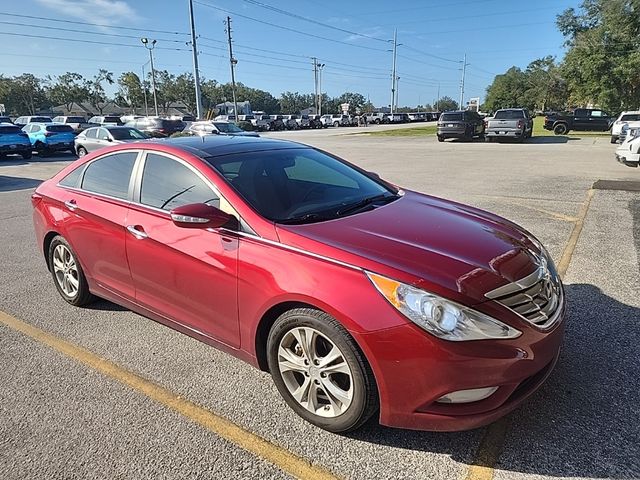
(109, 12)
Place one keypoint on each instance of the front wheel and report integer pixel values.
(67, 273)
(614, 139)
(336, 124)
(440, 138)
(82, 151)
(320, 371)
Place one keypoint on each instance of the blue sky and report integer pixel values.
(433, 36)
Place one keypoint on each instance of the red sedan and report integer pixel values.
(360, 298)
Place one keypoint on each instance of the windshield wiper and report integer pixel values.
(308, 218)
(365, 202)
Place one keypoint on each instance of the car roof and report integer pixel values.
(46, 123)
(7, 124)
(215, 145)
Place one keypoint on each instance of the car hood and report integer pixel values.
(442, 246)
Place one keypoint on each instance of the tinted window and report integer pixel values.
(41, 119)
(59, 128)
(10, 130)
(75, 120)
(451, 117)
(72, 179)
(126, 134)
(172, 124)
(111, 120)
(167, 184)
(509, 114)
(110, 175)
(228, 127)
(91, 133)
(630, 117)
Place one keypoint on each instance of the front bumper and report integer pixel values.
(627, 158)
(414, 370)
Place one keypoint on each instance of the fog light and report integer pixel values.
(467, 396)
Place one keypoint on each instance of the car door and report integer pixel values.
(96, 206)
(598, 120)
(187, 275)
(581, 119)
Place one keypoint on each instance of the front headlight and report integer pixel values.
(441, 317)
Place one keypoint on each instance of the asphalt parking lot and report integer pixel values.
(61, 417)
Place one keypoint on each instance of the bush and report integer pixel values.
(246, 126)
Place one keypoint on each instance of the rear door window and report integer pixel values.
(110, 175)
(91, 133)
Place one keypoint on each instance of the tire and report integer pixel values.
(377, 121)
(302, 366)
(81, 152)
(488, 139)
(27, 155)
(440, 138)
(560, 128)
(42, 149)
(65, 269)
(336, 124)
(614, 139)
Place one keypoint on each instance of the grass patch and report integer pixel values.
(406, 132)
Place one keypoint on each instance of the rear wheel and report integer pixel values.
(440, 138)
(320, 371)
(67, 273)
(614, 139)
(560, 129)
(336, 124)
(377, 121)
(82, 151)
(42, 149)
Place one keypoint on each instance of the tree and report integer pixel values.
(67, 89)
(508, 90)
(602, 65)
(445, 104)
(97, 95)
(293, 102)
(27, 94)
(130, 91)
(167, 92)
(546, 87)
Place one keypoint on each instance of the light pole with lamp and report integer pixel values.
(150, 45)
(320, 67)
(144, 92)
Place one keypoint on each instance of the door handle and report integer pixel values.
(134, 230)
(71, 205)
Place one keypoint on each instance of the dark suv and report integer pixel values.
(157, 127)
(464, 124)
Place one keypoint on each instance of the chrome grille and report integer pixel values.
(536, 297)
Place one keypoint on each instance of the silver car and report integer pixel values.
(215, 127)
(97, 137)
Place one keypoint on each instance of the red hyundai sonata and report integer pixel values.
(358, 297)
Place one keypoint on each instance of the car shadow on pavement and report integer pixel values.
(16, 161)
(584, 422)
(9, 184)
(105, 306)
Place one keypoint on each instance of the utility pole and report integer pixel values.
(397, 90)
(464, 70)
(315, 83)
(438, 100)
(145, 41)
(320, 67)
(144, 92)
(393, 72)
(196, 72)
(233, 63)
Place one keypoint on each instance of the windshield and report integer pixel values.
(40, 119)
(509, 114)
(300, 185)
(228, 127)
(111, 120)
(59, 128)
(451, 117)
(126, 134)
(75, 120)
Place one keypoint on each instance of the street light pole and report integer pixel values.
(320, 67)
(393, 72)
(464, 70)
(146, 42)
(196, 72)
(144, 92)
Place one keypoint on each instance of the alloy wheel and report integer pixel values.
(66, 270)
(315, 372)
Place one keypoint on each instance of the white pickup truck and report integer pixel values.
(513, 123)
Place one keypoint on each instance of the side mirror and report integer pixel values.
(374, 175)
(199, 215)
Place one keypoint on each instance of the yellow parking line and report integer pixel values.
(287, 461)
(567, 254)
(492, 444)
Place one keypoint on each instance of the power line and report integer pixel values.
(306, 34)
(310, 20)
(73, 30)
(49, 19)
(110, 44)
